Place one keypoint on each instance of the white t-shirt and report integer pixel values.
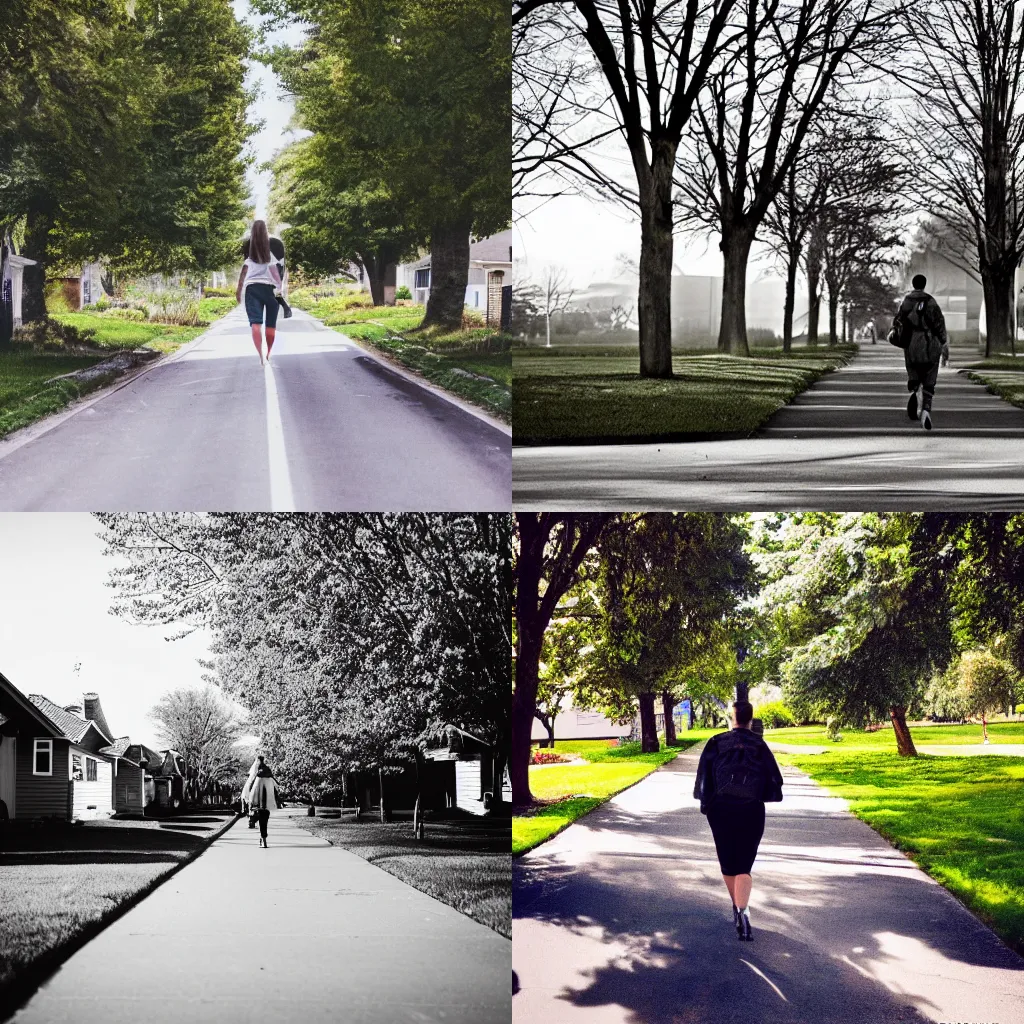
(259, 273)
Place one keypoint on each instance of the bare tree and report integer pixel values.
(966, 71)
(654, 57)
(204, 729)
(763, 98)
(554, 295)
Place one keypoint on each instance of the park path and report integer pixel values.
(869, 396)
(846, 444)
(327, 427)
(299, 931)
(623, 919)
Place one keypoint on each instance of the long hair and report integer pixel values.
(259, 242)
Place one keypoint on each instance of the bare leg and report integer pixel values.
(271, 335)
(730, 884)
(743, 885)
(257, 340)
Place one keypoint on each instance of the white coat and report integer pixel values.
(247, 788)
(263, 795)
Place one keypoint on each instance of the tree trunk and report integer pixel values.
(813, 293)
(904, 741)
(1000, 311)
(380, 777)
(648, 727)
(548, 721)
(654, 301)
(732, 335)
(449, 275)
(547, 328)
(833, 311)
(374, 269)
(33, 281)
(667, 704)
(787, 310)
(524, 704)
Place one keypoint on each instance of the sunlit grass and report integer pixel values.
(885, 739)
(960, 818)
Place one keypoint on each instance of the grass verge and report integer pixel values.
(114, 333)
(463, 864)
(474, 363)
(60, 885)
(564, 396)
(884, 739)
(1002, 376)
(567, 792)
(959, 818)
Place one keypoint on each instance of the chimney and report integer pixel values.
(94, 712)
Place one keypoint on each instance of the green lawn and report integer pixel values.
(884, 738)
(569, 791)
(474, 364)
(565, 395)
(60, 884)
(464, 864)
(1001, 375)
(114, 333)
(960, 818)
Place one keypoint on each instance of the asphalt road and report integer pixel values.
(623, 919)
(326, 428)
(845, 444)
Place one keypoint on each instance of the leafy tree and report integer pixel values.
(666, 581)
(351, 640)
(942, 700)
(986, 684)
(335, 219)
(204, 729)
(860, 608)
(417, 94)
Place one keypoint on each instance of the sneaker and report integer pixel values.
(926, 419)
(912, 406)
(744, 927)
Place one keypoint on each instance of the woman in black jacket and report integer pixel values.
(737, 773)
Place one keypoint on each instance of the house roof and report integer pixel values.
(495, 249)
(70, 726)
(120, 748)
(16, 698)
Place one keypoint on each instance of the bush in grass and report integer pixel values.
(127, 313)
(547, 757)
(403, 293)
(1019, 709)
(218, 293)
(52, 334)
(832, 730)
(775, 715)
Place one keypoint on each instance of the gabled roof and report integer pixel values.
(70, 726)
(19, 700)
(121, 748)
(494, 249)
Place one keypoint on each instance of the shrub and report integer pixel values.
(218, 293)
(1019, 709)
(832, 732)
(403, 292)
(547, 757)
(775, 715)
(126, 313)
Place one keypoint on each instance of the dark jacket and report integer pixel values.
(930, 343)
(704, 787)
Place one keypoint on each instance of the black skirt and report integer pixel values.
(737, 828)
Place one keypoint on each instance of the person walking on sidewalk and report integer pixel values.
(264, 799)
(922, 330)
(258, 277)
(736, 774)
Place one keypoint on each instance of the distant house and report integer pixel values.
(163, 776)
(572, 723)
(12, 267)
(470, 764)
(490, 270)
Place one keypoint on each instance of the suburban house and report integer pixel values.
(11, 268)
(466, 764)
(490, 270)
(572, 723)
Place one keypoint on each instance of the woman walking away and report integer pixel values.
(247, 790)
(258, 277)
(737, 773)
(264, 799)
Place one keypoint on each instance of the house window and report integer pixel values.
(476, 299)
(42, 759)
(423, 278)
(76, 767)
(90, 769)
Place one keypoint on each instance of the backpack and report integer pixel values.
(739, 767)
(899, 335)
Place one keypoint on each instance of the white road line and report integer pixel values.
(761, 974)
(281, 497)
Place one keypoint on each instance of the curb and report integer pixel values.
(18, 992)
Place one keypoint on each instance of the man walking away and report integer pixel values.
(928, 343)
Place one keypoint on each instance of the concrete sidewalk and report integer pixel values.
(869, 397)
(623, 918)
(300, 931)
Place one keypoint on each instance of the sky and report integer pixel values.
(271, 106)
(54, 614)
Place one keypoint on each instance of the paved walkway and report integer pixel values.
(623, 919)
(300, 931)
(846, 444)
(869, 397)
